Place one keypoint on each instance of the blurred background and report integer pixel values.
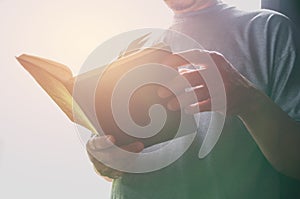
(41, 155)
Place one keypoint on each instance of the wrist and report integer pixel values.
(253, 102)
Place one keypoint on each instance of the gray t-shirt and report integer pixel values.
(261, 45)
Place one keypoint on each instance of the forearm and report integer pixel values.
(277, 135)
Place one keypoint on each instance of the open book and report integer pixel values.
(86, 98)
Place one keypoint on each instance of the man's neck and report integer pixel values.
(200, 5)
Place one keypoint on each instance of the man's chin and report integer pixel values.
(180, 5)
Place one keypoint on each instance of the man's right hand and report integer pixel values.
(101, 147)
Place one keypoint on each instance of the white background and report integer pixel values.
(40, 153)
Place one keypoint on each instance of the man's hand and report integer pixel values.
(211, 64)
(276, 134)
(101, 148)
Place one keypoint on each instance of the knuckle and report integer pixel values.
(89, 146)
(105, 171)
(102, 169)
(110, 173)
(216, 56)
(116, 175)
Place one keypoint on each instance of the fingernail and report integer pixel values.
(101, 142)
(110, 138)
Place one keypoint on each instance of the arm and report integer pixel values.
(277, 135)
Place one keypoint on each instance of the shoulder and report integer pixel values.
(261, 22)
(265, 17)
(270, 26)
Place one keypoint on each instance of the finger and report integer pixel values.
(194, 76)
(190, 57)
(103, 170)
(202, 106)
(197, 57)
(174, 60)
(115, 154)
(106, 172)
(109, 172)
(108, 179)
(174, 87)
(197, 94)
(100, 142)
(112, 174)
(187, 78)
(135, 147)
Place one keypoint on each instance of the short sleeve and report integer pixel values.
(285, 78)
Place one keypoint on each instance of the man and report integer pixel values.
(257, 153)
